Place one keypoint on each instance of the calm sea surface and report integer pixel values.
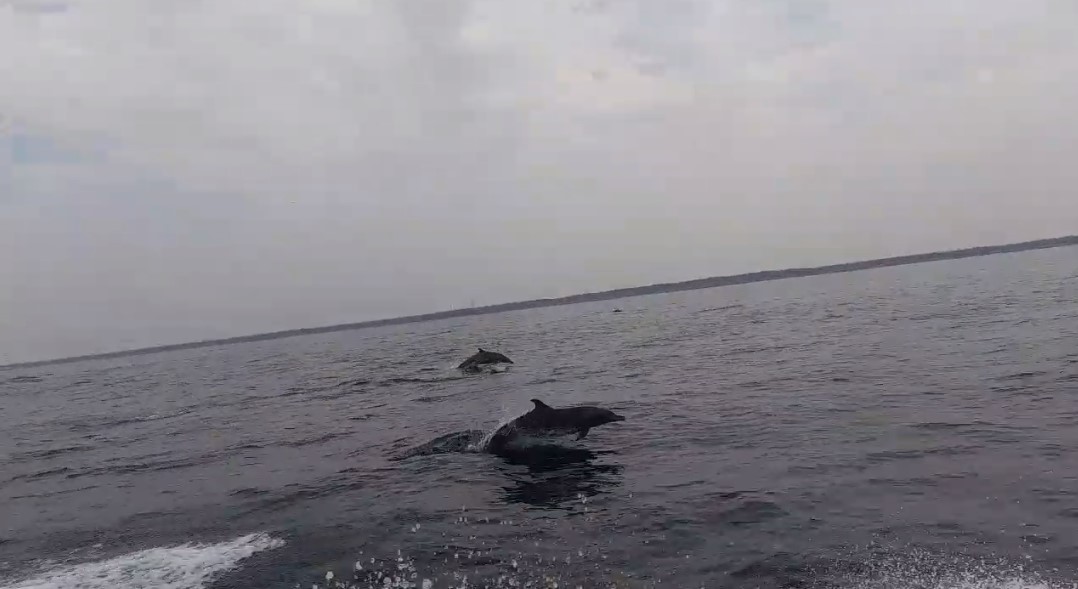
(903, 427)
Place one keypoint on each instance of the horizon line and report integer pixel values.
(611, 294)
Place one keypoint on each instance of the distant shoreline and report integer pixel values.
(619, 293)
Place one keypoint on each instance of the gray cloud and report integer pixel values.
(252, 166)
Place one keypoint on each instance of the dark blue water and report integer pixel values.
(911, 426)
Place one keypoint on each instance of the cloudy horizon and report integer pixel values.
(186, 170)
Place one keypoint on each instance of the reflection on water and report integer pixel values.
(542, 475)
(553, 475)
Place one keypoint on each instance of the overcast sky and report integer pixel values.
(174, 170)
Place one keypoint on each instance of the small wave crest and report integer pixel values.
(187, 566)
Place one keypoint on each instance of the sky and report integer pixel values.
(179, 170)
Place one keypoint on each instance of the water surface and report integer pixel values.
(903, 426)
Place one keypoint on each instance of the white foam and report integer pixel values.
(188, 566)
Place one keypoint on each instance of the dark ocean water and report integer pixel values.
(903, 427)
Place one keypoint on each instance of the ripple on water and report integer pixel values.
(759, 448)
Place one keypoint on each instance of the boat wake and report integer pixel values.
(188, 566)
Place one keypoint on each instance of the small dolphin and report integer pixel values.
(545, 420)
(483, 358)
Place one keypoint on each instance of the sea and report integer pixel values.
(913, 426)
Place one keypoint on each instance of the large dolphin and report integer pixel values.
(483, 358)
(544, 420)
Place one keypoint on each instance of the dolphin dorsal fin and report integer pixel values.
(540, 405)
(482, 351)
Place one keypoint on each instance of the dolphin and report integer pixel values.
(544, 420)
(483, 358)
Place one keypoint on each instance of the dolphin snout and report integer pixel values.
(619, 418)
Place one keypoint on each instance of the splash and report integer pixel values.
(516, 573)
(467, 441)
(588, 568)
(456, 442)
(926, 569)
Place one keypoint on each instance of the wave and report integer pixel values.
(413, 380)
(25, 379)
(347, 387)
(34, 455)
(104, 422)
(187, 566)
(316, 439)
